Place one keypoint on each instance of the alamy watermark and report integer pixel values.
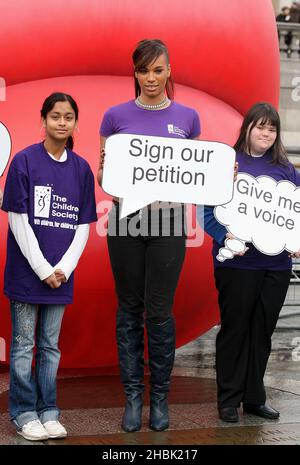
(152, 222)
(2, 350)
(296, 89)
(2, 90)
(296, 350)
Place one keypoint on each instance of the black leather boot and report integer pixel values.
(161, 347)
(130, 341)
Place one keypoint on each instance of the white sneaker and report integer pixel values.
(34, 431)
(55, 429)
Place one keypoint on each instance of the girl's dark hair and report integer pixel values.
(49, 103)
(147, 51)
(268, 115)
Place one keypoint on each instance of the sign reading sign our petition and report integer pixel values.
(264, 212)
(143, 169)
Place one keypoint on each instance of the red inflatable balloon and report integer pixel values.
(84, 48)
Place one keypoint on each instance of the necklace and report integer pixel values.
(147, 106)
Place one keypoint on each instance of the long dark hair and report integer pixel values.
(147, 51)
(268, 115)
(49, 103)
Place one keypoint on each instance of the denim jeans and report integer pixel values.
(33, 393)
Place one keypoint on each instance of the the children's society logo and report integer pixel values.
(175, 130)
(55, 210)
(42, 201)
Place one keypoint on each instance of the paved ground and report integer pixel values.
(92, 407)
(92, 400)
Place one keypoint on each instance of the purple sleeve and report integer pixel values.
(196, 130)
(16, 192)
(107, 126)
(296, 177)
(210, 225)
(87, 212)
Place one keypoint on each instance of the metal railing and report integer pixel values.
(293, 296)
(293, 151)
(289, 39)
(294, 156)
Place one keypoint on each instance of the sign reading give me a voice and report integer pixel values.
(143, 169)
(264, 212)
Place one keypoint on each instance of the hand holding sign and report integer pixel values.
(5, 148)
(264, 212)
(143, 169)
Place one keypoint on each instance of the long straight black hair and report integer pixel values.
(147, 51)
(49, 103)
(266, 114)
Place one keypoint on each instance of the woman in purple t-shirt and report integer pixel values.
(252, 286)
(147, 248)
(49, 197)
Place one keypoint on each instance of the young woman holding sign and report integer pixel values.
(147, 265)
(252, 286)
(46, 238)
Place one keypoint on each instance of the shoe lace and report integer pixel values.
(32, 424)
(55, 423)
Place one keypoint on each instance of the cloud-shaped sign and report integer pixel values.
(5, 147)
(264, 212)
(144, 169)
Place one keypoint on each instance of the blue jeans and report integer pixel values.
(33, 394)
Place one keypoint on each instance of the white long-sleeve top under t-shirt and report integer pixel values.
(29, 246)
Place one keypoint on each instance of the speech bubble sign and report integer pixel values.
(264, 212)
(232, 247)
(5, 147)
(145, 169)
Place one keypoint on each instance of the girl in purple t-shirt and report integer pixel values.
(147, 248)
(49, 197)
(252, 286)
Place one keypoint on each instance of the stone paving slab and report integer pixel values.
(188, 417)
(247, 435)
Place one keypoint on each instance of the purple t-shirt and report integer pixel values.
(57, 196)
(253, 258)
(176, 121)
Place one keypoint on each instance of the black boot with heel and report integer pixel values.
(161, 347)
(130, 341)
